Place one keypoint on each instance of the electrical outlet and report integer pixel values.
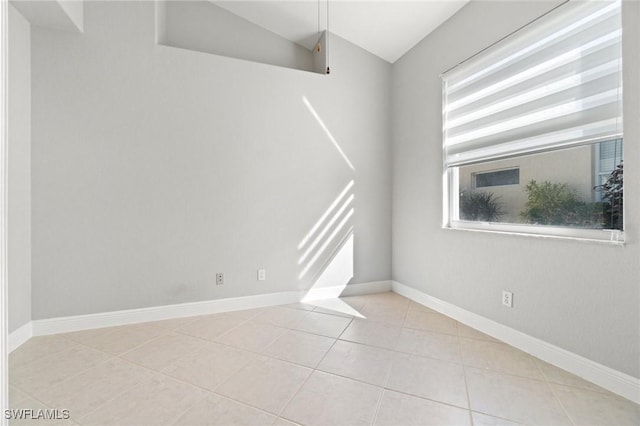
(507, 298)
(219, 278)
(262, 274)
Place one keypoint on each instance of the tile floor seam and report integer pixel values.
(399, 351)
(286, 404)
(160, 370)
(555, 396)
(230, 330)
(153, 339)
(432, 331)
(597, 388)
(376, 411)
(313, 370)
(503, 373)
(43, 356)
(72, 376)
(129, 350)
(179, 416)
(464, 372)
(175, 422)
(217, 393)
(496, 416)
(425, 398)
(150, 370)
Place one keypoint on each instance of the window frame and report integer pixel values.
(475, 174)
(451, 186)
(451, 220)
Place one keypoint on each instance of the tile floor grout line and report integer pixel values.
(286, 404)
(376, 411)
(74, 375)
(555, 397)
(179, 416)
(425, 398)
(464, 373)
(313, 370)
(497, 417)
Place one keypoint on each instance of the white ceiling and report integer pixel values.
(386, 28)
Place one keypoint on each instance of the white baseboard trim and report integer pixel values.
(603, 376)
(367, 288)
(20, 336)
(156, 313)
(331, 292)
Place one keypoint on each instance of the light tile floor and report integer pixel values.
(377, 359)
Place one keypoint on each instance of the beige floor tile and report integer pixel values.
(301, 306)
(252, 336)
(283, 422)
(472, 333)
(355, 361)
(413, 306)
(428, 344)
(300, 348)
(428, 321)
(372, 333)
(387, 298)
(499, 357)
(281, 317)
(217, 410)
(90, 334)
(519, 399)
(559, 376)
(33, 412)
(209, 366)
(210, 327)
(16, 396)
(37, 348)
(341, 313)
(243, 314)
(336, 307)
(38, 376)
(323, 324)
(401, 409)
(124, 338)
(175, 323)
(326, 399)
(594, 408)
(155, 401)
(356, 302)
(391, 315)
(429, 378)
(166, 349)
(265, 383)
(85, 392)
(485, 420)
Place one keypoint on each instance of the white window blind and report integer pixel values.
(555, 83)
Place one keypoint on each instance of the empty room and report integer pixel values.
(320, 212)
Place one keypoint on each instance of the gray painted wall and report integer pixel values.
(156, 167)
(19, 193)
(583, 297)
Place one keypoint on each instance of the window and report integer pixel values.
(533, 138)
(496, 178)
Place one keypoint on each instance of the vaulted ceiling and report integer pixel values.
(386, 28)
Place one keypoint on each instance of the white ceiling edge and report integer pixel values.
(385, 28)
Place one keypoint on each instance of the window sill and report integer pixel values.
(604, 236)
